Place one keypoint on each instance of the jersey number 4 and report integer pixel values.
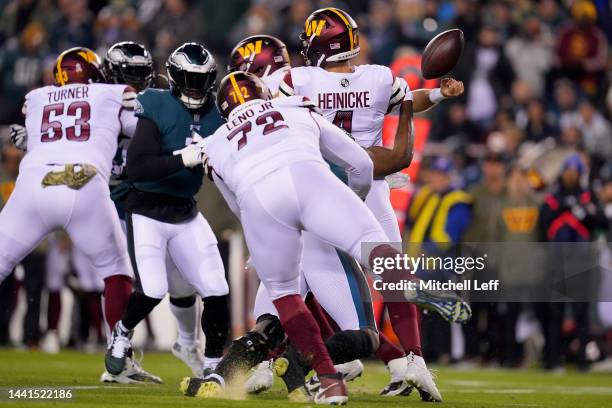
(52, 129)
(344, 120)
(262, 120)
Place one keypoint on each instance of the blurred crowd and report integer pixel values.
(529, 142)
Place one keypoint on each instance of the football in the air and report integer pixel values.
(442, 54)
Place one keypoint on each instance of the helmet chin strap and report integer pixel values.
(321, 59)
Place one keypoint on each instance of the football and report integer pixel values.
(442, 54)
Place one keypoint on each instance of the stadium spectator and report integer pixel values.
(438, 215)
(487, 75)
(582, 48)
(570, 214)
(530, 53)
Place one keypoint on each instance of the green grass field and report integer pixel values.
(462, 389)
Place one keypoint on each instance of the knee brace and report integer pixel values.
(349, 345)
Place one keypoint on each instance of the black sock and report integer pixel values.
(139, 306)
(349, 345)
(215, 324)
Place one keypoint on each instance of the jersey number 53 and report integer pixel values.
(52, 128)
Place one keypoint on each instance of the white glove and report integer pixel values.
(397, 180)
(192, 155)
(19, 136)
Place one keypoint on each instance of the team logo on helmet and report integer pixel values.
(314, 27)
(250, 48)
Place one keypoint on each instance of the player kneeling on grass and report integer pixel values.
(268, 161)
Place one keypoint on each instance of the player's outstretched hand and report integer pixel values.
(450, 87)
(19, 136)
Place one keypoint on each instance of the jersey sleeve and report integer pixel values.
(286, 86)
(343, 151)
(400, 92)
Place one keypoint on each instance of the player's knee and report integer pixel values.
(270, 326)
(153, 289)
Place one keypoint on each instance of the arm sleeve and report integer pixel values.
(286, 86)
(400, 92)
(229, 196)
(343, 151)
(145, 161)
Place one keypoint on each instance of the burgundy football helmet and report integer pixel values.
(238, 88)
(78, 65)
(260, 55)
(330, 35)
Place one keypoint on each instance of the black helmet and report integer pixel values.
(129, 63)
(192, 72)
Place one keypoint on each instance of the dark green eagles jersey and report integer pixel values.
(176, 124)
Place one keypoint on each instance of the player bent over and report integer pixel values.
(265, 56)
(161, 213)
(73, 127)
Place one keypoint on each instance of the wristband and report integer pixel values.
(435, 95)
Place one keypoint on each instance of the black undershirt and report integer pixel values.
(146, 162)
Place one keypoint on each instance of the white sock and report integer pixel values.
(186, 318)
(211, 362)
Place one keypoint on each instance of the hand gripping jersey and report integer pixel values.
(76, 123)
(263, 136)
(357, 102)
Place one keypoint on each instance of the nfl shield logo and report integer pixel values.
(344, 82)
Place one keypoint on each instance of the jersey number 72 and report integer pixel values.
(52, 129)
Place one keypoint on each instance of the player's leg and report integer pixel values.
(184, 308)
(193, 249)
(23, 225)
(402, 315)
(95, 230)
(147, 246)
(274, 244)
(271, 219)
(55, 271)
(338, 217)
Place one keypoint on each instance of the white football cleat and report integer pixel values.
(419, 376)
(133, 373)
(349, 371)
(192, 357)
(321, 398)
(397, 385)
(51, 342)
(262, 378)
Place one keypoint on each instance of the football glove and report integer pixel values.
(19, 136)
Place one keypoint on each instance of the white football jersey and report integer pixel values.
(263, 136)
(76, 123)
(273, 80)
(356, 102)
